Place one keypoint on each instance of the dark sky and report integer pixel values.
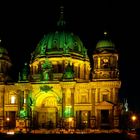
(23, 24)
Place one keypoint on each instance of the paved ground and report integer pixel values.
(88, 134)
(70, 135)
(99, 136)
(63, 131)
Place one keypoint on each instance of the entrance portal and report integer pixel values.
(105, 119)
(47, 118)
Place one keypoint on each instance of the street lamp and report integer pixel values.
(133, 118)
(8, 124)
(70, 120)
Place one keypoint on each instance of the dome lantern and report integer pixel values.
(61, 22)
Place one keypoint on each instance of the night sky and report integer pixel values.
(23, 24)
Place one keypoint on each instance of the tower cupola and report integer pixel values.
(105, 60)
(5, 64)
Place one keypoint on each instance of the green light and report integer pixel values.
(46, 76)
(46, 65)
(105, 33)
(68, 111)
(46, 68)
(22, 113)
(45, 88)
(69, 73)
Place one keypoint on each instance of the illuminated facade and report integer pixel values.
(56, 90)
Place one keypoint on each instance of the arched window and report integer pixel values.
(13, 99)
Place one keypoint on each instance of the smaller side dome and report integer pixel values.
(4, 54)
(5, 63)
(105, 45)
(3, 50)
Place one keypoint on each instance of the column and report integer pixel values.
(93, 101)
(116, 95)
(85, 71)
(76, 71)
(111, 118)
(98, 118)
(72, 100)
(99, 61)
(0, 68)
(111, 95)
(2, 92)
(79, 71)
(18, 93)
(63, 101)
(98, 95)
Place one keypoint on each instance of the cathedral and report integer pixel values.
(58, 88)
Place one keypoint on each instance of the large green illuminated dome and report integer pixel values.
(4, 53)
(55, 51)
(59, 42)
(5, 64)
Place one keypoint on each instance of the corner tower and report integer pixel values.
(105, 60)
(5, 64)
(105, 79)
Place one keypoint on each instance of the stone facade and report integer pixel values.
(56, 90)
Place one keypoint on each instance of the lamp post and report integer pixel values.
(32, 118)
(70, 120)
(133, 118)
(8, 124)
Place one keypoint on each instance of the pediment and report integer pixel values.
(105, 103)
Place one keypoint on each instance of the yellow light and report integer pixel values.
(10, 133)
(8, 119)
(133, 118)
(70, 119)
